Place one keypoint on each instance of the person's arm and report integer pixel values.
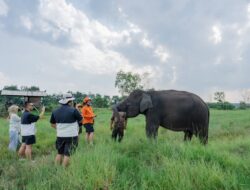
(78, 116)
(16, 118)
(87, 113)
(53, 121)
(42, 112)
(33, 118)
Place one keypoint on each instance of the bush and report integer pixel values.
(243, 105)
(3, 111)
(221, 106)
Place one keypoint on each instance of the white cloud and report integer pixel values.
(248, 10)
(161, 53)
(145, 42)
(158, 50)
(94, 43)
(26, 22)
(4, 9)
(217, 35)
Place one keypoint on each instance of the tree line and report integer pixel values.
(125, 82)
(51, 100)
(222, 104)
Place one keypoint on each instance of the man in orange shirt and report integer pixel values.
(88, 119)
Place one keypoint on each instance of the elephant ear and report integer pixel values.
(146, 103)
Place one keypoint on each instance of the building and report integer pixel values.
(32, 96)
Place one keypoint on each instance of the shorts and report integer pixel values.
(89, 127)
(29, 140)
(66, 145)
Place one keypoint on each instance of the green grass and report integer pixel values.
(137, 163)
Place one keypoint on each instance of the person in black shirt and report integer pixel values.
(65, 120)
(28, 130)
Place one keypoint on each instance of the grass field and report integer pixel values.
(137, 163)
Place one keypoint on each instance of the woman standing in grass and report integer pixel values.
(15, 127)
(88, 120)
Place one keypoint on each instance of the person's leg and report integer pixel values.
(66, 161)
(69, 149)
(21, 152)
(60, 144)
(87, 137)
(58, 160)
(91, 138)
(28, 152)
(13, 141)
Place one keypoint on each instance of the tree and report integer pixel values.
(219, 97)
(11, 87)
(243, 105)
(101, 102)
(79, 96)
(31, 88)
(115, 100)
(127, 82)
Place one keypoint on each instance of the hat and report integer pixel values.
(86, 99)
(66, 98)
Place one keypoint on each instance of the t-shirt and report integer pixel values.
(88, 114)
(66, 119)
(15, 123)
(28, 123)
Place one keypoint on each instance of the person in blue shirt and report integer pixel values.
(28, 130)
(65, 120)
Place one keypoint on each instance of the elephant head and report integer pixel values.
(138, 102)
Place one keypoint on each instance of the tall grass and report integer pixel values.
(137, 163)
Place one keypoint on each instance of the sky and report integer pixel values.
(80, 45)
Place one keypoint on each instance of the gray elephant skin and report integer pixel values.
(171, 109)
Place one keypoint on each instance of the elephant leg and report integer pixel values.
(152, 130)
(152, 125)
(203, 136)
(121, 134)
(188, 135)
(114, 134)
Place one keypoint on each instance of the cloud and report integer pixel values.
(197, 46)
(26, 21)
(4, 9)
(217, 35)
(162, 53)
(145, 42)
(93, 43)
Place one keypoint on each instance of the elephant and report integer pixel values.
(170, 109)
(118, 126)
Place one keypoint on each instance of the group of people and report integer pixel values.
(68, 120)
